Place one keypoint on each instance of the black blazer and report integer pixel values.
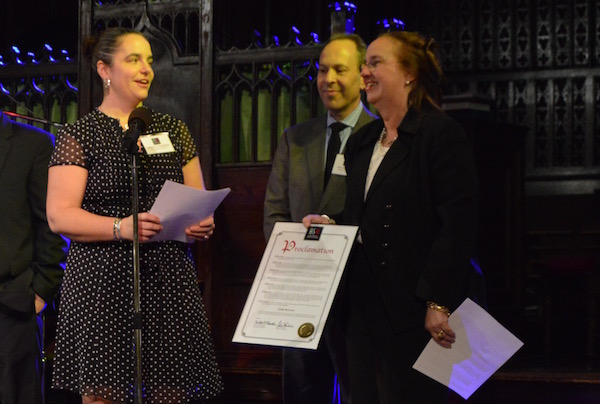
(419, 218)
(30, 254)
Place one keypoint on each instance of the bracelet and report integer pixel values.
(331, 221)
(117, 228)
(437, 307)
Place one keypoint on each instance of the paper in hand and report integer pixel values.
(179, 206)
(482, 346)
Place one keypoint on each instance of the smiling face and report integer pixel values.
(384, 77)
(130, 72)
(338, 80)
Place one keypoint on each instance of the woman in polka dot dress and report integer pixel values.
(89, 201)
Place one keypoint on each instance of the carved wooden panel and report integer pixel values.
(596, 148)
(522, 30)
(538, 61)
(259, 93)
(40, 84)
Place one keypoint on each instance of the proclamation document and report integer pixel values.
(295, 284)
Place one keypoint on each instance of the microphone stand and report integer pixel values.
(139, 119)
(137, 314)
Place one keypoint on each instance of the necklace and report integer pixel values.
(380, 147)
(385, 142)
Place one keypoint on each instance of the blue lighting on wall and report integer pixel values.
(392, 23)
(297, 32)
(282, 73)
(36, 87)
(71, 86)
(258, 37)
(32, 56)
(338, 7)
(3, 89)
(22, 58)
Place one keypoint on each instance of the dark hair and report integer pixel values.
(417, 55)
(361, 47)
(103, 47)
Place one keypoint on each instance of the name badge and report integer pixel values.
(157, 143)
(339, 167)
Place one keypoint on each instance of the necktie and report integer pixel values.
(333, 148)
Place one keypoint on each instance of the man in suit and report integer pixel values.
(31, 259)
(303, 180)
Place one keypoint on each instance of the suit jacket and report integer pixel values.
(295, 187)
(31, 256)
(419, 218)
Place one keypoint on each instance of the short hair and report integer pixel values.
(361, 47)
(103, 47)
(417, 55)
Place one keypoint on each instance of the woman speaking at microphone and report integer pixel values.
(89, 201)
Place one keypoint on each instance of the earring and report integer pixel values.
(106, 85)
(407, 83)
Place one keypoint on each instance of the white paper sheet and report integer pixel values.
(179, 206)
(295, 285)
(482, 346)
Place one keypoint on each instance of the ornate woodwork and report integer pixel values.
(41, 84)
(536, 62)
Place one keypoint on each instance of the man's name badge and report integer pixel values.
(339, 167)
(157, 143)
(306, 330)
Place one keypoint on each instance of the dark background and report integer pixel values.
(552, 303)
(29, 24)
(272, 17)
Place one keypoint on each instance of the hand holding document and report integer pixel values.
(179, 206)
(295, 285)
(482, 346)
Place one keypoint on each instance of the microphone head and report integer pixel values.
(140, 117)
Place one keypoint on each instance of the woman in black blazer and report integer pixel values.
(411, 189)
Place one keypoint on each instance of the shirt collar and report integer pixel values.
(350, 120)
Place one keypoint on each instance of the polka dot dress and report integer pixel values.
(94, 343)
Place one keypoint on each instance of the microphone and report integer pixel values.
(139, 119)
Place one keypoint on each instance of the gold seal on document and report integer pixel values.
(306, 330)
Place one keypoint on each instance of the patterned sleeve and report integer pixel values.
(189, 147)
(68, 149)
